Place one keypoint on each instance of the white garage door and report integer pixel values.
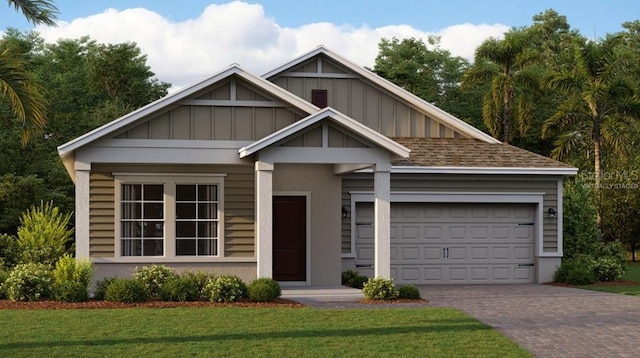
(434, 243)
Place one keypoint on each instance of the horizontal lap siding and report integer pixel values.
(101, 215)
(239, 220)
(429, 183)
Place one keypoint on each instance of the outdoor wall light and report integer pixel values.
(552, 213)
(345, 212)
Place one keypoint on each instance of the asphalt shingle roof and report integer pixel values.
(446, 152)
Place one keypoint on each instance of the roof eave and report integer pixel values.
(483, 170)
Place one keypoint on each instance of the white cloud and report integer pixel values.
(185, 52)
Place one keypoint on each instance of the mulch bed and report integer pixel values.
(93, 304)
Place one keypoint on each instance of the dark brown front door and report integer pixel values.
(289, 238)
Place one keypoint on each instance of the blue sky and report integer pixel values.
(188, 40)
(588, 16)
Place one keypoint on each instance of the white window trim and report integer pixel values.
(169, 180)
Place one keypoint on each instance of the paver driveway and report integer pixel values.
(550, 321)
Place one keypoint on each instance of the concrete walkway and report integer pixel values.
(549, 321)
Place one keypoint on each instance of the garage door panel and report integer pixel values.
(456, 243)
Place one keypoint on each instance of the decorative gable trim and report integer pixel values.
(348, 123)
(455, 123)
(176, 97)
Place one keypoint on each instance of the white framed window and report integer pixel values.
(170, 216)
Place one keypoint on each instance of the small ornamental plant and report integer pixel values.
(28, 282)
(153, 277)
(101, 288)
(180, 289)
(126, 291)
(379, 288)
(71, 279)
(225, 288)
(264, 290)
(410, 292)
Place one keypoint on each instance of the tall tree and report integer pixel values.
(423, 69)
(600, 106)
(508, 65)
(17, 85)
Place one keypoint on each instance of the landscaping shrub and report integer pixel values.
(43, 234)
(9, 251)
(410, 292)
(264, 290)
(101, 288)
(28, 282)
(179, 288)
(153, 277)
(379, 289)
(359, 281)
(3, 277)
(225, 288)
(348, 276)
(199, 279)
(353, 279)
(71, 279)
(607, 269)
(576, 271)
(126, 290)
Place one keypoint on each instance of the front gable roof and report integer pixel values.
(349, 124)
(168, 101)
(446, 118)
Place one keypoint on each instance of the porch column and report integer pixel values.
(382, 217)
(83, 172)
(264, 218)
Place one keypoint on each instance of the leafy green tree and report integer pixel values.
(17, 85)
(508, 65)
(599, 108)
(427, 71)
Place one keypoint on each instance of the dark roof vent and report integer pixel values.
(319, 97)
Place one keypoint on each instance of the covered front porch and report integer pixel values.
(298, 241)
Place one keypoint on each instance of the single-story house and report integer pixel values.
(315, 167)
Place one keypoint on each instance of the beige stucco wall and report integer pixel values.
(324, 189)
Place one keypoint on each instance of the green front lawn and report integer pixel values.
(632, 274)
(242, 331)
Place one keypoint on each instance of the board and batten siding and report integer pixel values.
(361, 100)
(444, 183)
(232, 111)
(239, 218)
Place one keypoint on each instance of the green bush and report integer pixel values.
(353, 279)
(9, 251)
(199, 279)
(348, 276)
(179, 288)
(126, 290)
(3, 277)
(43, 234)
(225, 288)
(264, 290)
(153, 277)
(410, 292)
(379, 289)
(359, 281)
(576, 271)
(101, 288)
(71, 279)
(607, 269)
(28, 282)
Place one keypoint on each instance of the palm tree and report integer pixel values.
(600, 107)
(17, 85)
(507, 65)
